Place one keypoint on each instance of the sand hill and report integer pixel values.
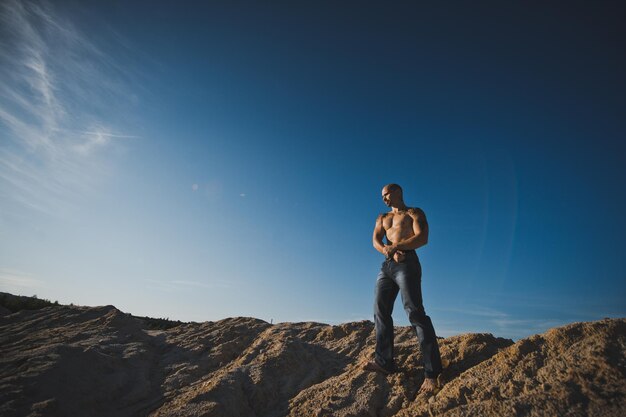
(99, 361)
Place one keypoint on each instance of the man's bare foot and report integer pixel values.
(372, 366)
(429, 386)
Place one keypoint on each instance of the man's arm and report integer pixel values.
(420, 231)
(377, 238)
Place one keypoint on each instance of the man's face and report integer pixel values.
(388, 196)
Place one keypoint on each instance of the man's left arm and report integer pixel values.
(420, 231)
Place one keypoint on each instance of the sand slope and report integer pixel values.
(98, 361)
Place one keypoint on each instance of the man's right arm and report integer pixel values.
(379, 234)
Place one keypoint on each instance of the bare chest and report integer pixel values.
(398, 222)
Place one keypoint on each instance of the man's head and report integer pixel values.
(392, 195)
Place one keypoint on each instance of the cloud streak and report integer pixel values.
(12, 280)
(479, 319)
(186, 284)
(55, 128)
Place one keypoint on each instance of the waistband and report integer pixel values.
(408, 254)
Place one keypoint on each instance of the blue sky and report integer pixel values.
(202, 160)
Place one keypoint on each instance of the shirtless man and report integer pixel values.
(406, 229)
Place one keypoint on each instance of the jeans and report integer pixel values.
(404, 277)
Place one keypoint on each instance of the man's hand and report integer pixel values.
(399, 256)
(389, 250)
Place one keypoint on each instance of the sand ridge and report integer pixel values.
(99, 361)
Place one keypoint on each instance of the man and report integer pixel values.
(406, 229)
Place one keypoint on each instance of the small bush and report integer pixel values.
(15, 303)
(159, 324)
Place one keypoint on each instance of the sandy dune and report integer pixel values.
(98, 361)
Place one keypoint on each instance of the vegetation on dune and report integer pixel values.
(158, 324)
(15, 303)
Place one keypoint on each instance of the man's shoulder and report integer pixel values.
(416, 211)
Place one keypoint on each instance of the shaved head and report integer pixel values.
(392, 195)
(393, 187)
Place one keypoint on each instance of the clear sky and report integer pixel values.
(202, 160)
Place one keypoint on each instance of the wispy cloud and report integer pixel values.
(57, 89)
(12, 280)
(519, 327)
(213, 284)
(480, 311)
(481, 319)
(186, 284)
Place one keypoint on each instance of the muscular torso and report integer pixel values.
(405, 230)
(398, 226)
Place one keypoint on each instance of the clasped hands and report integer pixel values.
(392, 251)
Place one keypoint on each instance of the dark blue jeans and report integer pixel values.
(404, 277)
